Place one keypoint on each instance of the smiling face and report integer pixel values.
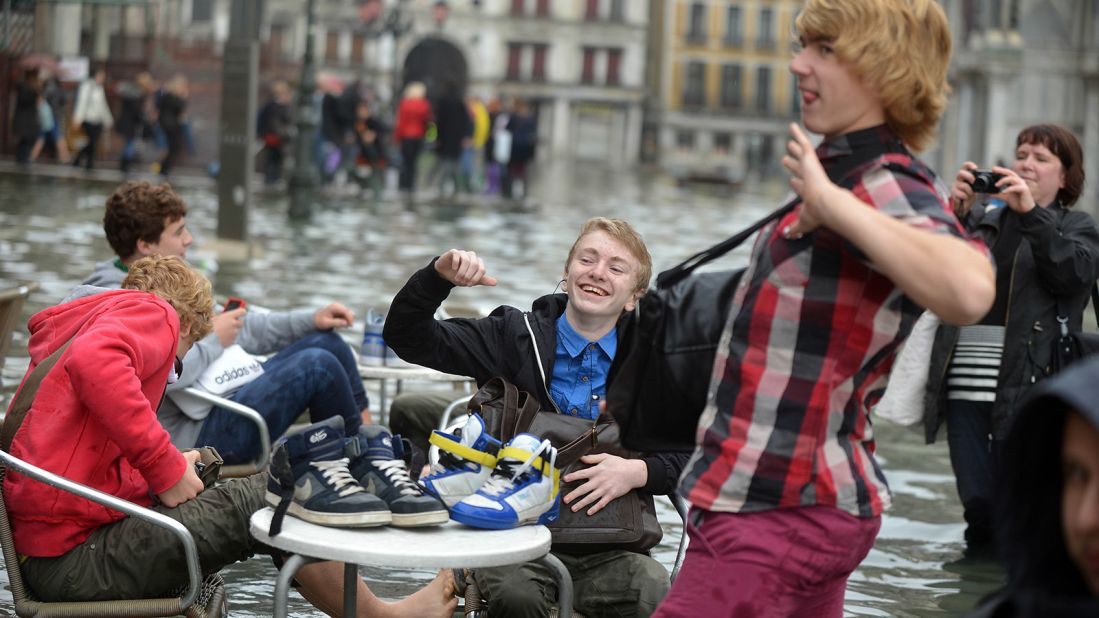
(833, 100)
(601, 278)
(1080, 497)
(1041, 169)
(174, 240)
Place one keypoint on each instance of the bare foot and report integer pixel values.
(435, 600)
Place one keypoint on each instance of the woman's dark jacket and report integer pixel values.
(130, 122)
(1057, 260)
(498, 345)
(170, 112)
(1042, 579)
(24, 121)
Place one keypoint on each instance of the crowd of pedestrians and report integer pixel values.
(476, 147)
(47, 117)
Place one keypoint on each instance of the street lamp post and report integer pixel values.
(304, 179)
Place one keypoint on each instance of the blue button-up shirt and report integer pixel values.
(580, 369)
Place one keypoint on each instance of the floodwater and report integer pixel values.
(360, 255)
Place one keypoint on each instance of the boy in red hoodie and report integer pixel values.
(93, 420)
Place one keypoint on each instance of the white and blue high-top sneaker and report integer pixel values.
(308, 478)
(524, 488)
(466, 459)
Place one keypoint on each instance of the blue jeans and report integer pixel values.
(318, 372)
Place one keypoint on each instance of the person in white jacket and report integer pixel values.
(92, 114)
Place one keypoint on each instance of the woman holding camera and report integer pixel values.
(1047, 260)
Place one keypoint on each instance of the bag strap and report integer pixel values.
(675, 274)
(682, 270)
(25, 397)
(498, 392)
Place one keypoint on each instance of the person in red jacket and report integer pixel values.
(413, 115)
(93, 420)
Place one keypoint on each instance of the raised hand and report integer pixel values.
(463, 269)
(808, 180)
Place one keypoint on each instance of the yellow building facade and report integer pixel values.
(724, 93)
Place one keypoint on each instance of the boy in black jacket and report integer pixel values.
(575, 334)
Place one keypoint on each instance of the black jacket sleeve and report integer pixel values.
(468, 347)
(1066, 250)
(664, 471)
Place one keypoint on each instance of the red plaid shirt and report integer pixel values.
(812, 333)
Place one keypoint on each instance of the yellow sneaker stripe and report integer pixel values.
(461, 450)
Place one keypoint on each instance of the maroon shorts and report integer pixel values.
(782, 562)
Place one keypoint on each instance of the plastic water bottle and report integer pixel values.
(373, 351)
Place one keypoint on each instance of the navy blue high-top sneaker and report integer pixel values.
(308, 478)
(377, 462)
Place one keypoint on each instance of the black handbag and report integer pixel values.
(660, 376)
(628, 522)
(1070, 347)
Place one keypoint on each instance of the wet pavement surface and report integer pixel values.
(361, 253)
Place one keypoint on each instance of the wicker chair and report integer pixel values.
(200, 599)
(256, 465)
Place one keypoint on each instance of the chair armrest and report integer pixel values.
(680, 507)
(251, 414)
(190, 551)
(444, 421)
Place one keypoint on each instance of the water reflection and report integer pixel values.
(361, 255)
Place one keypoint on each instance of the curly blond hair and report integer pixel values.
(187, 291)
(899, 48)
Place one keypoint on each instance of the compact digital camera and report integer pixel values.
(984, 181)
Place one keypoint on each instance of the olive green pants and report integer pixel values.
(132, 558)
(610, 584)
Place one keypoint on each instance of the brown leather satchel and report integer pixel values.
(629, 522)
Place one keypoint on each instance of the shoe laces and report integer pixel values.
(397, 473)
(503, 477)
(337, 475)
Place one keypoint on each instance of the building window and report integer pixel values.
(763, 89)
(591, 10)
(538, 67)
(542, 8)
(614, 64)
(587, 72)
(723, 142)
(685, 139)
(277, 43)
(730, 86)
(696, 30)
(693, 86)
(617, 12)
(332, 47)
(765, 38)
(518, 7)
(734, 36)
(202, 10)
(358, 42)
(515, 52)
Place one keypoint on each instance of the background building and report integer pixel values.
(721, 93)
(1017, 63)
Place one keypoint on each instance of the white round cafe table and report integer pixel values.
(450, 546)
(386, 373)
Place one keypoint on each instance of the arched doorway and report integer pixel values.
(434, 61)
